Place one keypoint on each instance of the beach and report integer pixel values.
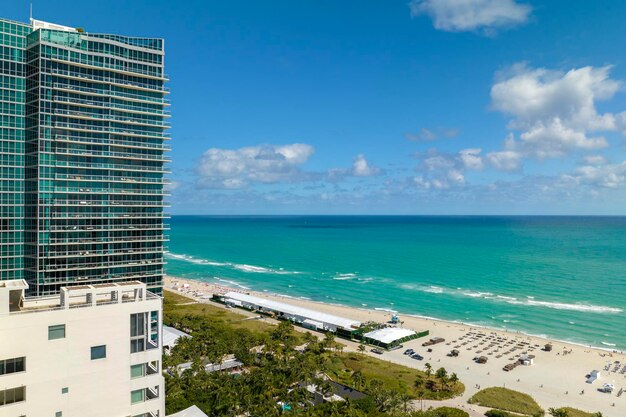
(556, 379)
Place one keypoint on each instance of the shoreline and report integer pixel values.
(265, 293)
(556, 379)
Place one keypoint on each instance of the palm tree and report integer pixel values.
(558, 412)
(329, 340)
(358, 379)
(418, 384)
(442, 376)
(406, 400)
(429, 369)
(361, 348)
(454, 379)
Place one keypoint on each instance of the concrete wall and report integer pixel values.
(97, 388)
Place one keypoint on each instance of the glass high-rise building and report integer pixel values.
(82, 157)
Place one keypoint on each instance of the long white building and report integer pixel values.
(92, 350)
(312, 319)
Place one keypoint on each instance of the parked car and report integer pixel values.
(377, 351)
(409, 352)
(417, 356)
(608, 388)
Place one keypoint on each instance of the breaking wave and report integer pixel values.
(239, 267)
(529, 301)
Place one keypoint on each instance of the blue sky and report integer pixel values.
(385, 107)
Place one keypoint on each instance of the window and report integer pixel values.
(138, 396)
(98, 352)
(11, 366)
(12, 395)
(65, 390)
(56, 332)
(137, 324)
(137, 371)
(58, 414)
(137, 345)
(137, 332)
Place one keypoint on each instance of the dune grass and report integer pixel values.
(507, 400)
(176, 304)
(573, 412)
(396, 377)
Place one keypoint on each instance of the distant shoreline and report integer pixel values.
(324, 304)
(546, 338)
(556, 379)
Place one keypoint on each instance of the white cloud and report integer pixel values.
(361, 168)
(554, 112)
(428, 135)
(505, 160)
(594, 160)
(470, 15)
(471, 159)
(607, 175)
(445, 170)
(422, 136)
(226, 168)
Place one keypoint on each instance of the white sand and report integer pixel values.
(555, 380)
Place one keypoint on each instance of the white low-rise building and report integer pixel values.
(170, 337)
(92, 350)
(315, 320)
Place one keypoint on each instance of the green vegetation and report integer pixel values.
(501, 413)
(341, 368)
(507, 400)
(176, 306)
(571, 412)
(275, 371)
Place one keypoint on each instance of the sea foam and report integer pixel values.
(530, 301)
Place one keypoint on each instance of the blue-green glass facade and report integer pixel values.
(12, 84)
(93, 160)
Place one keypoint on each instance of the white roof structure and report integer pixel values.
(294, 310)
(192, 411)
(171, 336)
(389, 334)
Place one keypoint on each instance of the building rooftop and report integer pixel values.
(389, 334)
(192, 411)
(313, 315)
(13, 300)
(171, 335)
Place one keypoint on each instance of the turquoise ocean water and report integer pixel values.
(561, 277)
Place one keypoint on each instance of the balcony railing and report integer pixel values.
(102, 265)
(111, 118)
(102, 252)
(114, 106)
(115, 68)
(87, 203)
(109, 80)
(109, 154)
(109, 93)
(109, 130)
(93, 165)
(112, 142)
(110, 178)
(116, 191)
(121, 215)
(107, 228)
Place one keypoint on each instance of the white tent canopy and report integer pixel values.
(291, 310)
(389, 334)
